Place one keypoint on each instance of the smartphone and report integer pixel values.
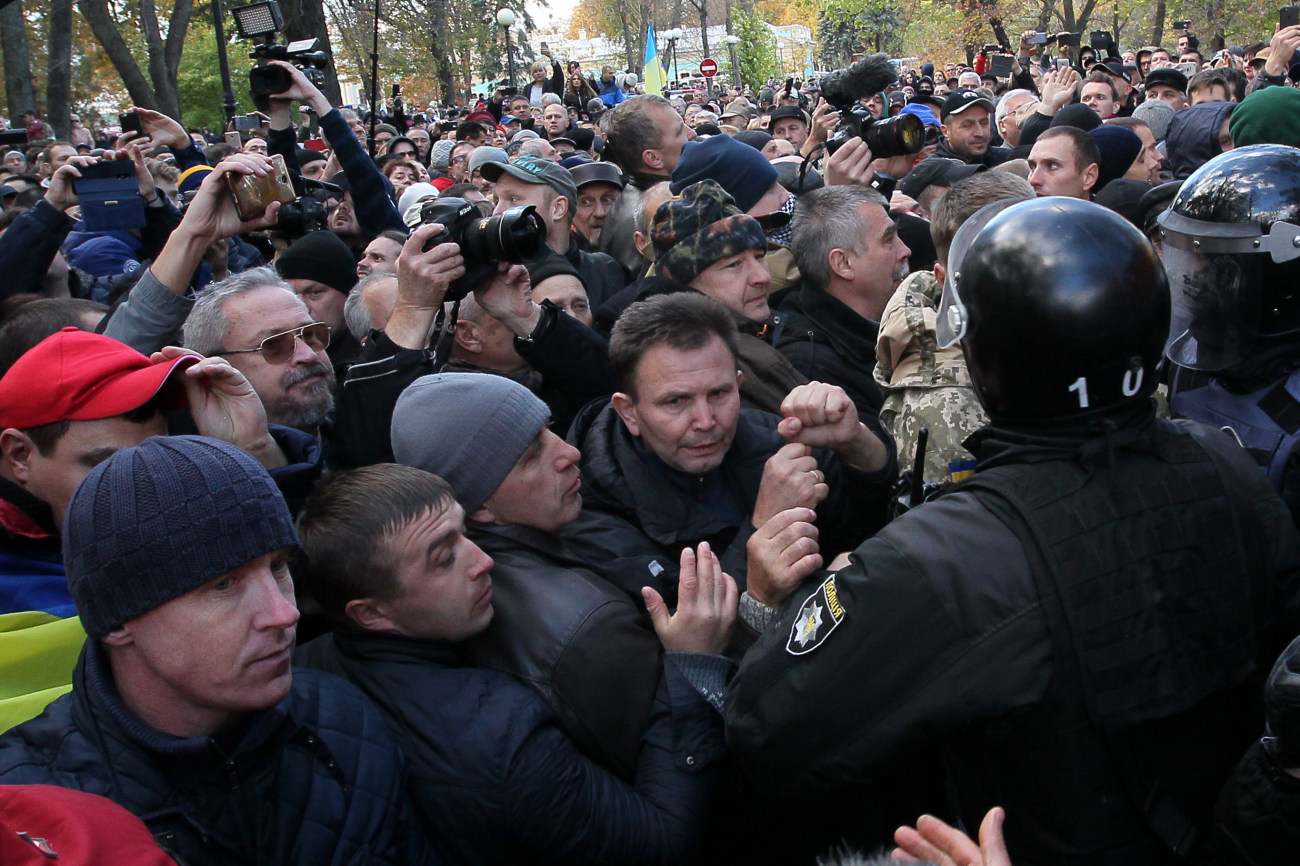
(1189, 69)
(1038, 39)
(1069, 40)
(13, 138)
(247, 124)
(1288, 16)
(397, 90)
(545, 47)
(130, 122)
(233, 139)
(1062, 62)
(1000, 65)
(1180, 25)
(109, 195)
(1099, 39)
(253, 194)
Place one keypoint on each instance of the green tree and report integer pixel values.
(198, 78)
(756, 50)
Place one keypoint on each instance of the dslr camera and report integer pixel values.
(890, 136)
(515, 236)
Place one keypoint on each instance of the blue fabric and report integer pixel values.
(610, 93)
(34, 581)
(316, 780)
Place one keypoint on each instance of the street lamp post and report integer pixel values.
(506, 18)
(731, 41)
(672, 36)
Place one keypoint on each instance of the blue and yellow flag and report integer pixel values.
(655, 78)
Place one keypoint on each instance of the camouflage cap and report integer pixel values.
(691, 233)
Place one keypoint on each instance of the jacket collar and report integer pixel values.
(23, 514)
(850, 333)
(367, 646)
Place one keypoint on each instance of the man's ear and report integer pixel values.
(468, 337)
(483, 514)
(625, 406)
(119, 637)
(559, 208)
(940, 269)
(16, 450)
(1090, 175)
(652, 159)
(839, 264)
(369, 614)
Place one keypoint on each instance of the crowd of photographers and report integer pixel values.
(450, 485)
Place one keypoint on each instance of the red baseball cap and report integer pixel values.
(75, 375)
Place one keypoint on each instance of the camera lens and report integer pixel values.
(514, 236)
(895, 136)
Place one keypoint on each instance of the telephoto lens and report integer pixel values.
(895, 136)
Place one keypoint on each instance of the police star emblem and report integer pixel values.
(819, 615)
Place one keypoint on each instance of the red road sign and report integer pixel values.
(708, 67)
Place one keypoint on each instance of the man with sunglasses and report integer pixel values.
(256, 321)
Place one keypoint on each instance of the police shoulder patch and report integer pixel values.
(819, 615)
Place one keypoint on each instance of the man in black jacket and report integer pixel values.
(852, 260)
(493, 777)
(573, 636)
(184, 708)
(672, 459)
(966, 118)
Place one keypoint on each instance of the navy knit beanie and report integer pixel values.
(743, 172)
(468, 428)
(156, 521)
(1118, 147)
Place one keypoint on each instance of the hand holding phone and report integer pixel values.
(1288, 16)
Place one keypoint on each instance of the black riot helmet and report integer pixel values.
(1062, 309)
(1231, 245)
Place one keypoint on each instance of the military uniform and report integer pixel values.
(925, 386)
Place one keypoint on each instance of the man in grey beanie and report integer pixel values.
(558, 625)
(184, 708)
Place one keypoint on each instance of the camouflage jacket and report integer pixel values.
(925, 386)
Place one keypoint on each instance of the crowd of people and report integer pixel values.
(592, 476)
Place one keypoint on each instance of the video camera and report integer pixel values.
(261, 22)
(892, 136)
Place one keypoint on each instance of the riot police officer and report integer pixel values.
(1231, 245)
(1078, 626)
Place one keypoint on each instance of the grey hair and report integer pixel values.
(827, 219)
(205, 327)
(1003, 108)
(356, 315)
(551, 99)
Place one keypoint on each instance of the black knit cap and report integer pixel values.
(156, 521)
(319, 256)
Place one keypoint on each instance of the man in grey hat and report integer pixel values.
(580, 642)
(184, 707)
(550, 188)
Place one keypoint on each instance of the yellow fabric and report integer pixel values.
(37, 654)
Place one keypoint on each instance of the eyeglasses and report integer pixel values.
(278, 348)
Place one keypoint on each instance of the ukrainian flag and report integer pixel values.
(655, 78)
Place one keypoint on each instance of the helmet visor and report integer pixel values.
(1216, 308)
(953, 316)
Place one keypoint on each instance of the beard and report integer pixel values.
(304, 408)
